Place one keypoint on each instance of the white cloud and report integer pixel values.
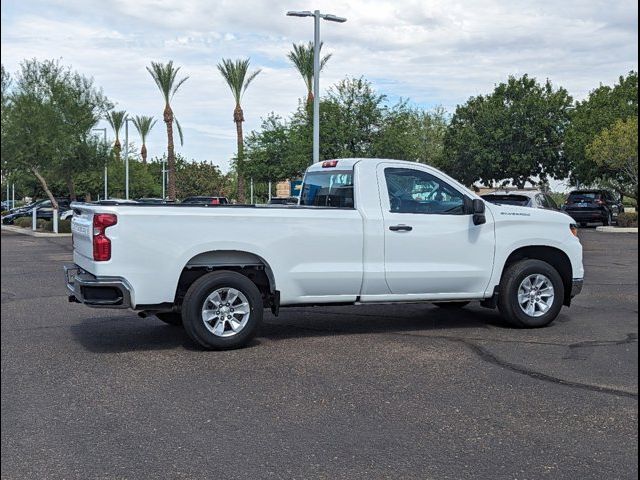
(437, 52)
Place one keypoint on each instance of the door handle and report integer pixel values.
(401, 228)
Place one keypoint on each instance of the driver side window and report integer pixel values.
(416, 191)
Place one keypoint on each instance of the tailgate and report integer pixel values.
(82, 231)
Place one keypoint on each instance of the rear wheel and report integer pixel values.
(222, 310)
(451, 305)
(531, 294)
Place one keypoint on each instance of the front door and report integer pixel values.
(431, 243)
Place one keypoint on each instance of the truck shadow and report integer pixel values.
(131, 333)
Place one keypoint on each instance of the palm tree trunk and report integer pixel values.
(143, 153)
(45, 187)
(238, 118)
(117, 148)
(171, 158)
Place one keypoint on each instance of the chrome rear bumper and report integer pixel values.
(98, 292)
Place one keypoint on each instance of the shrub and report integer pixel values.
(64, 226)
(3, 213)
(24, 222)
(628, 220)
(42, 224)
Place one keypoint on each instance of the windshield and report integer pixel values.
(328, 189)
(577, 196)
(517, 200)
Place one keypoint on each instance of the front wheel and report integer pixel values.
(608, 220)
(222, 310)
(531, 294)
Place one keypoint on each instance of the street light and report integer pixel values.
(316, 70)
(106, 190)
(126, 156)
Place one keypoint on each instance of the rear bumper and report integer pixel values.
(576, 287)
(587, 215)
(98, 292)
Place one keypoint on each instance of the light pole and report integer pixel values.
(126, 157)
(106, 190)
(316, 70)
(164, 173)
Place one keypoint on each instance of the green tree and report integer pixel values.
(116, 119)
(351, 116)
(274, 153)
(604, 106)
(236, 74)
(615, 151)
(515, 133)
(409, 133)
(165, 76)
(50, 119)
(143, 125)
(302, 58)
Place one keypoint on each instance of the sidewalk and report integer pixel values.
(28, 231)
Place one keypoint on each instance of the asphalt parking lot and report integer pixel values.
(337, 392)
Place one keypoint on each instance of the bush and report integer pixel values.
(42, 224)
(3, 213)
(24, 222)
(64, 226)
(628, 220)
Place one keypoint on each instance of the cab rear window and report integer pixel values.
(328, 189)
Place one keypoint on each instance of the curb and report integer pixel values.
(31, 233)
(616, 230)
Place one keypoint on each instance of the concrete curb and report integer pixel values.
(616, 230)
(31, 233)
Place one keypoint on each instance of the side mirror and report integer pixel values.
(479, 216)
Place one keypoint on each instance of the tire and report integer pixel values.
(451, 305)
(608, 220)
(244, 313)
(170, 318)
(513, 281)
(584, 224)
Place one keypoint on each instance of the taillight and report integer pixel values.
(574, 229)
(600, 202)
(215, 201)
(101, 243)
(330, 164)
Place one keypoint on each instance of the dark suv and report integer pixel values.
(587, 206)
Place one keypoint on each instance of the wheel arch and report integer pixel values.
(551, 255)
(249, 264)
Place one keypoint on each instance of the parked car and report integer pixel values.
(44, 210)
(5, 205)
(283, 201)
(205, 200)
(522, 198)
(588, 206)
(365, 232)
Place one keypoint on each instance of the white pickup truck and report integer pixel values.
(365, 231)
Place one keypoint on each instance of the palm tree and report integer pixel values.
(116, 119)
(144, 125)
(302, 58)
(235, 74)
(165, 77)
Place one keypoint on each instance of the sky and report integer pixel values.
(433, 52)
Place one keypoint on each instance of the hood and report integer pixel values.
(512, 213)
